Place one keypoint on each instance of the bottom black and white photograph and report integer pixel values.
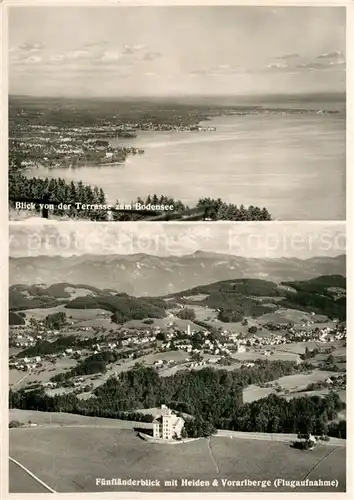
(195, 357)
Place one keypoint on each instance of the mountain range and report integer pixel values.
(149, 275)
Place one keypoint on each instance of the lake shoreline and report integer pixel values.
(287, 163)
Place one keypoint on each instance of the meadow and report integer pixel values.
(40, 375)
(293, 383)
(75, 314)
(284, 316)
(69, 459)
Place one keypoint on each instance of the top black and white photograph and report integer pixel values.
(177, 112)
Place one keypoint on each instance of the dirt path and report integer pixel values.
(212, 456)
(22, 379)
(320, 462)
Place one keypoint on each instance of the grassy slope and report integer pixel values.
(69, 458)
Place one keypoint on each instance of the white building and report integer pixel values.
(241, 348)
(167, 425)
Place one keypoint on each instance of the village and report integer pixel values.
(36, 349)
(64, 146)
(53, 147)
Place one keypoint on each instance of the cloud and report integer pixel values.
(151, 56)
(111, 56)
(199, 72)
(56, 58)
(288, 56)
(327, 65)
(338, 63)
(331, 55)
(21, 53)
(221, 69)
(277, 66)
(311, 65)
(79, 54)
(33, 59)
(131, 49)
(96, 44)
(31, 47)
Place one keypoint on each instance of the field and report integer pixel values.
(292, 383)
(147, 360)
(100, 322)
(196, 298)
(67, 419)
(121, 366)
(15, 377)
(321, 392)
(162, 323)
(320, 325)
(298, 347)
(81, 318)
(289, 315)
(69, 458)
(174, 369)
(253, 355)
(75, 314)
(21, 482)
(49, 370)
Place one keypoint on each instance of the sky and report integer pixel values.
(163, 51)
(259, 240)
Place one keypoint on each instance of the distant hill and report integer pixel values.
(247, 286)
(33, 296)
(322, 295)
(123, 307)
(236, 299)
(149, 275)
(321, 284)
(232, 299)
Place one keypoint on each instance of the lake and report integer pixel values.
(293, 164)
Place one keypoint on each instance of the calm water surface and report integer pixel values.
(292, 164)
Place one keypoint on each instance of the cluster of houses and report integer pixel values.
(139, 340)
(232, 343)
(25, 364)
(324, 334)
(206, 345)
(201, 346)
(59, 147)
(23, 337)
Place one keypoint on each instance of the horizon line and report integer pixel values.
(185, 96)
(176, 255)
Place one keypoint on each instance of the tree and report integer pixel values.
(186, 313)
(55, 321)
(184, 434)
(321, 426)
(330, 359)
(14, 424)
(305, 424)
